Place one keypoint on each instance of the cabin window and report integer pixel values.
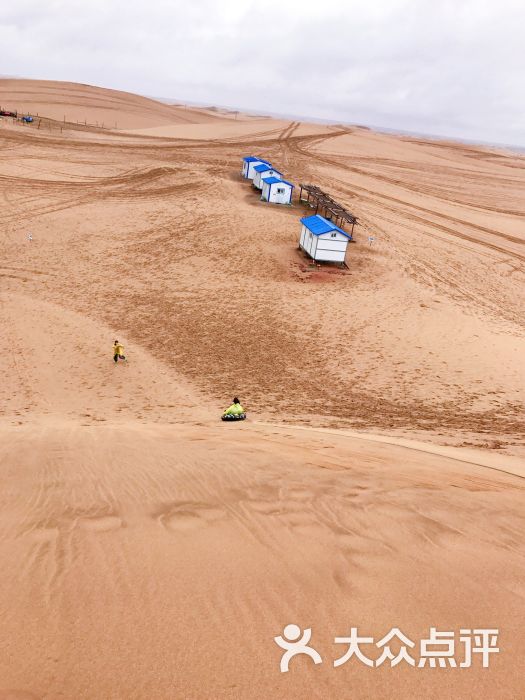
(334, 235)
(280, 190)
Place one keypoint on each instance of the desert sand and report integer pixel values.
(150, 551)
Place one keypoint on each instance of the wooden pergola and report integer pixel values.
(328, 207)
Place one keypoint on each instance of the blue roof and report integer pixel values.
(273, 180)
(251, 159)
(265, 166)
(317, 224)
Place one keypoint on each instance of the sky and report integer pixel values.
(443, 67)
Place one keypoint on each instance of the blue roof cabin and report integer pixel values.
(248, 166)
(262, 171)
(276, 190)
(322, 240)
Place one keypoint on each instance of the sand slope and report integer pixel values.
(162, 239)
(150, 551)
(160, 562)
(98, 106)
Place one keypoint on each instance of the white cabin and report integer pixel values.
(276, 190)
(322, 240)
(262, 171)
(248, 166)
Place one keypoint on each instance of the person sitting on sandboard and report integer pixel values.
(235, 411)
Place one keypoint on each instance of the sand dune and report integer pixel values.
(72, 102)
(150, 551)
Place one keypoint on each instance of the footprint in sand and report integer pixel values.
(103, 523)
(43, 534)
(265, 507)
(188, 516)
(301, 520)
(300, 494)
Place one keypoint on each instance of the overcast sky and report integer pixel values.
(450, 67)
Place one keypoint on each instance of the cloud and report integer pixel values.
(451, 68)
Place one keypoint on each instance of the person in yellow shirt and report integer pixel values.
(118, 351)
(235, 411)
